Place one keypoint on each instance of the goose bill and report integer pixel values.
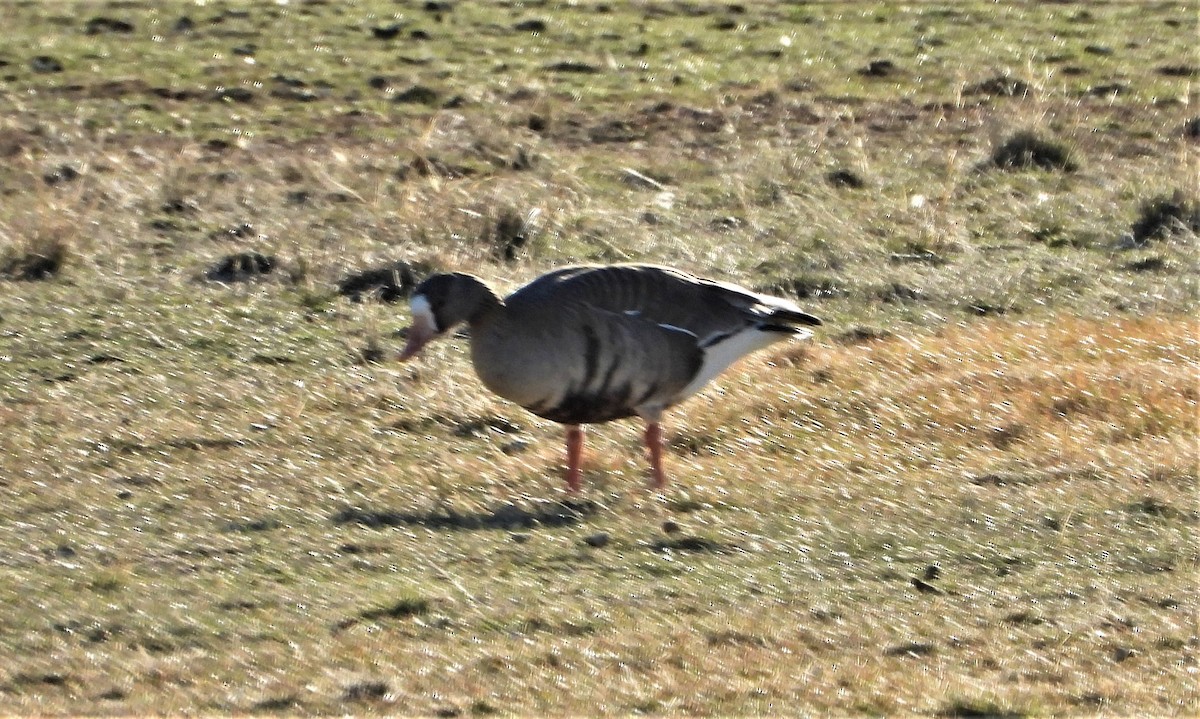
(418, 335)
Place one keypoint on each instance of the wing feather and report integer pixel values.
(664, 296)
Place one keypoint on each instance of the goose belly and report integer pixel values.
(579, 378)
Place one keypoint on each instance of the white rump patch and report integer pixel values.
(719, 356)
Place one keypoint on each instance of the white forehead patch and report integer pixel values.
(422, 312)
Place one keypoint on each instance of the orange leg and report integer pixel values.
(654, 444)
(574, 457)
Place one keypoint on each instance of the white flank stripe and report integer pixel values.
(676, 329)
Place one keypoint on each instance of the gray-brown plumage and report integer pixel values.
(590, 344)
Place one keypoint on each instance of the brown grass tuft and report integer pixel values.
(1166, 215)
(1027, 150)
(41, 254)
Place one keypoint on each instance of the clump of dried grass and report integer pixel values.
(40, 252)
(1028, 150)
(1166, 215)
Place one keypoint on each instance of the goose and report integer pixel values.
(587, 344)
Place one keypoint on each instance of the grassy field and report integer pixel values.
(974, 494)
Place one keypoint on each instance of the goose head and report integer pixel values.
(442, 302)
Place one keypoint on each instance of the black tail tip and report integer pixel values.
(788, 329)
(799, 318)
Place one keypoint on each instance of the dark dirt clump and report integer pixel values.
(1026, 150)
(1179, 70)
(60, 175)
(845, 178)
(407, 607)
(102, 25)
(574, 66)
(1000, 85)
(691, 543)
(1147, 264)
(534, 25)
(240, 267)
(277, 704)
(233, 94)
(1164, 216)
(45, 64)
(390, 283)
(879, 68)
(508, 235)
(911, 650)
(417, 95)
(366, 691)
(386, 32)
(42, 263)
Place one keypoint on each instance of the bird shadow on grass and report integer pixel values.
(544, 513)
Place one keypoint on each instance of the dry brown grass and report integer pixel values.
(1046, 469)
